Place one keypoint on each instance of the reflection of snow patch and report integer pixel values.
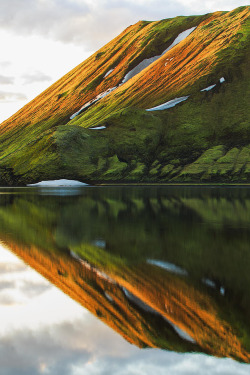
(167, 266)
(100, 243)
(108, 296)
(145, 63)
(56, 183)
(169, 104)
(184, 335)
(222, 290)
(209, 283)
(88, 266)
(108, 73)
(208, 88)
(75, 256)
(98, 128)
(138, 301)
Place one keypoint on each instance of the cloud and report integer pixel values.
(94, 22)
(5, 80)
(35, 77)
(27, 353)
(5, 64)
(7, 267)
(8, 300)
(18, 285)
(55, 351)
(12, 96)
(34, 289)
(5, 284)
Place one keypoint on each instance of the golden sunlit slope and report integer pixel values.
(48, 137)
(87, 80)
(104, 298)
(143, 304)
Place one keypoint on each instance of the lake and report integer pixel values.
(125, 280)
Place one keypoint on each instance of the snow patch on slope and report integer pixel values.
(180, 38)
(174, 102)
(169, 104)
(208, 88)
(98, 128)
(96, 99)
(145, 63)
(221, 80)
(108, 73)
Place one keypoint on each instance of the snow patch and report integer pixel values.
(169, 104)
(98, 128)
(105, 93)
(108, 73)
(222, 79)
(140, 67)
(180, 38)
(145, 63)
(96, 99)
(86, 105)
(208, 88)
(168, 60)
(168, 266)
(57, 183)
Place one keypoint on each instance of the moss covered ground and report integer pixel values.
(204, 139)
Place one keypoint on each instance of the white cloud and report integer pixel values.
(6, 80)
(92, 23)
(12, 96)
(37, 76)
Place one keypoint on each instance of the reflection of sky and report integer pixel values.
(43, 331)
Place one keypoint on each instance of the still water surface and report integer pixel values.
(125, 280)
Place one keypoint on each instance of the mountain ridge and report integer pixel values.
(48, 138)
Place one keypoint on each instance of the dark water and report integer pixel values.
(163, 271)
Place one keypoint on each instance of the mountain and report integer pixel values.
(99, 124)
(152, 286)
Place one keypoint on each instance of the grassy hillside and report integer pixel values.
(205, 138)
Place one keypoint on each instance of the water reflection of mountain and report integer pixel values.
(164, 268)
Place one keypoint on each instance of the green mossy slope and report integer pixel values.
(203, 139)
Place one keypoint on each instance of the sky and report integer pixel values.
(41, 40)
